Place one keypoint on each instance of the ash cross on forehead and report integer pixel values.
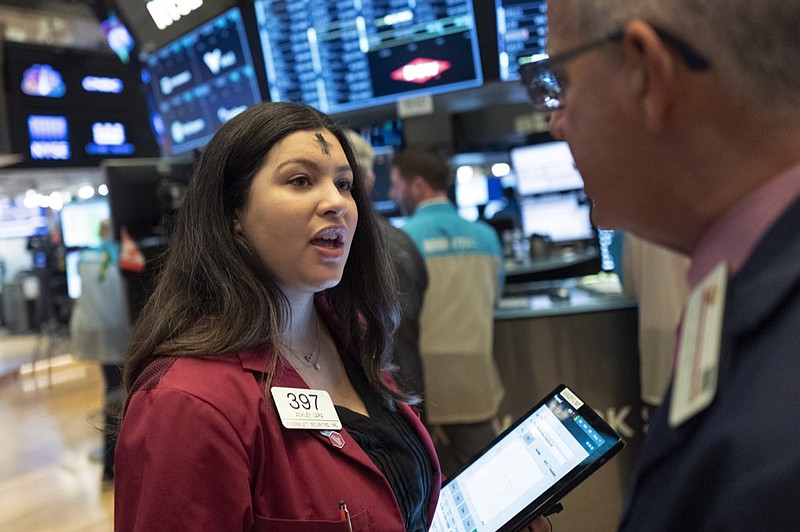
(324, 144)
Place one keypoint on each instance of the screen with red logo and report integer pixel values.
(341, 55)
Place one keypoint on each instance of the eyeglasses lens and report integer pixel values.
(543, 87)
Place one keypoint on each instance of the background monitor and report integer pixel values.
(521, 33)
(74, 284)
(550, 189)
(380, 192)
(477, 187)
(340, 56)
(545, 168)
(563, 217)
(80, 222)
(201, 81)
(69, 107)
(19, 221)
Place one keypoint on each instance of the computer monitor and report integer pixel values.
(201, 81)
(80, 222)
(19, 221)
(545, 168)
(552, 200)
(521, 33)
(477, 190)
(339, 56)
(382, 167)
(562, 217)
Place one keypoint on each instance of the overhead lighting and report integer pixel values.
(86, 192)
(500, 169)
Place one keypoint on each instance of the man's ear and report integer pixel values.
(653, 72)
(419, 186)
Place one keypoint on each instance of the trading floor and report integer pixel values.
(50, 440)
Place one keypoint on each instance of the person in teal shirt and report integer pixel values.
(464, 259)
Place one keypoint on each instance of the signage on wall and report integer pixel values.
(108, 138)
(102, 84)
(43, 80)
(166, 12)
(49, 137)
(69, 107)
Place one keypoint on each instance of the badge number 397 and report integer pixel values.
(301, 408)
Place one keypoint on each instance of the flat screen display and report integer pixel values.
(563, 217)
(69, 107)
(382, 167)
(80, 222)
(545, 168)
(18, 221)
(201, 81)
(521, 33)
(552, 200)
(340, 56)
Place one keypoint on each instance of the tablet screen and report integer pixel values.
(527, 468)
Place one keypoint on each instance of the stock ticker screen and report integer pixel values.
(201, 81)
(342, 55)
(521, 33)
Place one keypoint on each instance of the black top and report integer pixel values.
(394, 448)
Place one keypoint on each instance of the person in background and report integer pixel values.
(465, 271)
(412, 280)
(683, 117)
(274, 310)
(510, 214)
(100, 332)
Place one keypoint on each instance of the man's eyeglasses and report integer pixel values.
(546, 90)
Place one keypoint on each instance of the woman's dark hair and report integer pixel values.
(214, 296)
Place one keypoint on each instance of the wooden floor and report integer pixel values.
(50, 415)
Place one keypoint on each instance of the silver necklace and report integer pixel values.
(310, 359)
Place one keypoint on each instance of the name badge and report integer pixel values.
(697, 364)
(301, 408)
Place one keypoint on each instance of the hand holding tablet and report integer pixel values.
(530, 467)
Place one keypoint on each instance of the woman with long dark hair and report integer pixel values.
(269, 327)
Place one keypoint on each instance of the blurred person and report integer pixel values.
(100, 332)
(683, 117)
(465, 272)
(412, 280)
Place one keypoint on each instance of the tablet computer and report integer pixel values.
(528, 468)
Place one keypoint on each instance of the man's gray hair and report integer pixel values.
(753, 45)
(363, 151)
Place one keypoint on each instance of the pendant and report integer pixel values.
(317, 366)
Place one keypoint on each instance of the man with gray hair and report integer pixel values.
(683, 117)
